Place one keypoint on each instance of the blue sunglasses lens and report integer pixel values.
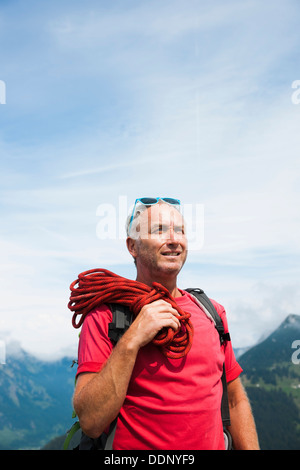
(147, 200)
(154, 200)
(170, 200)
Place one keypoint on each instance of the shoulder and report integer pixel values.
(99, 313)
(222, 313)
(97, 320)
(94, 344)
(219, 308)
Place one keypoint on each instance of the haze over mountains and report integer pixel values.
(35, 395)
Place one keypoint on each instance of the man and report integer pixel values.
(161, 403)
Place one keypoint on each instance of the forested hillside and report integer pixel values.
(35, 396)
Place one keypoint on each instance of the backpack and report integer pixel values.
(122, 319)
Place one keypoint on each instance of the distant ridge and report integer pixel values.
(272, 382)
(36, 408)
(277, 347)
(35, 400)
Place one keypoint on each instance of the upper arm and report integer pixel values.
(236, 392)
(94, 344)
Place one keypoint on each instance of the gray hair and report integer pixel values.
(131, 228)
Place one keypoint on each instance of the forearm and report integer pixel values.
(98, 402)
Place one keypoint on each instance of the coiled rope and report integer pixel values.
(100, 286)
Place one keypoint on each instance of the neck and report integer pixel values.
(168, 283)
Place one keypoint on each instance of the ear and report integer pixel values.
(131, 246)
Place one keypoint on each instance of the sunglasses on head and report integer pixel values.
(150, 201)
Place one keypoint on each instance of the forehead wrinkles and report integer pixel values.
(161, 214)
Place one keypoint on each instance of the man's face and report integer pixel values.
(162, 244)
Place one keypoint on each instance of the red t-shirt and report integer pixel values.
(171, 404)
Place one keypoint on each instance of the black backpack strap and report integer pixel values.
(207, 304)
(122, 319)
(213, 314)
(225, 413)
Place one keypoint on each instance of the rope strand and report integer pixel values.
(99, 286)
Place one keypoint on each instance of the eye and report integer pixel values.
(179, 230)
(159, 229)
(154, 229)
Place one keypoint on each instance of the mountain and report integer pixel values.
(35, 400)
(35, 395)
(272, 381)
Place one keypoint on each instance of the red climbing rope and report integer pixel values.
(100, 286)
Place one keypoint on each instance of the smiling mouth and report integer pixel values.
(171, 254)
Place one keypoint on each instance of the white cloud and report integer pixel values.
(190, 100)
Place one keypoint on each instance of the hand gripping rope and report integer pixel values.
(100, 286)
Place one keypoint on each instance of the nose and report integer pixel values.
(174, 236)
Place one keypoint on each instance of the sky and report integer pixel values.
(103, 102)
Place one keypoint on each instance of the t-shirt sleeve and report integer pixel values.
(94, 344)
(232, 367)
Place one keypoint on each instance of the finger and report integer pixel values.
(166, 305)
